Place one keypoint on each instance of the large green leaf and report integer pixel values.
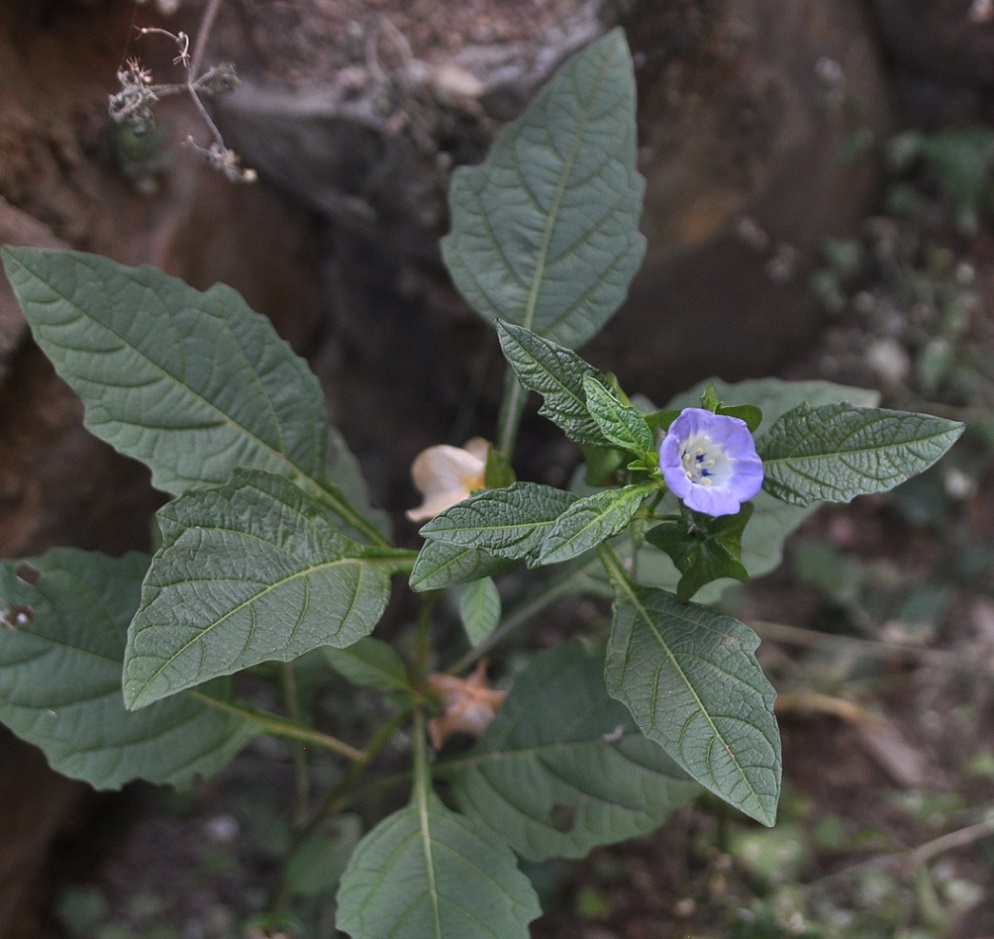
(249, 572)
(509, 523)
(60, 678)
(556, 373)
(836, 452)
(691, 680)
(192, 384)
(562, 768)
(544, 231)
(426, 872)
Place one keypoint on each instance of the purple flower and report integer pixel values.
(709, 461)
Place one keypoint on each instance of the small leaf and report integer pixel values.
(690, 678)
(316, 864)
(709, 398)
(544, 231)
(479, 609)
(60, 680)
(836, 452)
(507, 523)
(703, 548)
(620, 423)
(752, 415)
(498, 471)
(369, 663)
(562, 768)
(591, 521)
(247, 573)
(440, 565)
(426, 872)
(556, 373)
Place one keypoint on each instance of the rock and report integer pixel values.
(759, 140)
(17, 228)
(949, 40)
(37, 806)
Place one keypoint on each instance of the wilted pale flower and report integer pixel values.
(446, 475)
(468, 705)
(710, 462)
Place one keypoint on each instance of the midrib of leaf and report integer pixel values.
(622, 581)
(515, 390)
(307, 482)
(796, 458)
(550, 222)
(421, 795)
(268, 588)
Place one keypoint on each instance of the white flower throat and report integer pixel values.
(704, 462)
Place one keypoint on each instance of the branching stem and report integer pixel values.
(281, 727)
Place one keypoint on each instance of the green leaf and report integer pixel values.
(440, 565)
(426, 872)
(703, 548)
(562, 768)
(247, 573)
(836, 452)
(709, 398)
(556, 373)
(544, 231)
(479, 609)
(498, 471)
(590, 521)
(60, 679)
(691, 680)
(369, 663)
(620, 423)
(192, 384)
(507, 523)
(752, 416)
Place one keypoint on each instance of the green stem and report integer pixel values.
(300, 770)
(338, 799)
(280, 727)
(421, 647)
(511, 412)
